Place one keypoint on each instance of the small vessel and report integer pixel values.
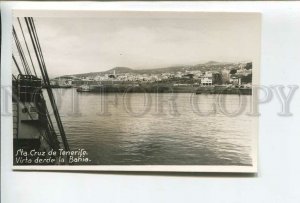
(84, 88)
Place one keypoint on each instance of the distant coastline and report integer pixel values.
(163, 88)
(208, 78)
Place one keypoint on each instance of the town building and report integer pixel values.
(235, 80)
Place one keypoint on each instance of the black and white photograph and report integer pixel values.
(135, 91)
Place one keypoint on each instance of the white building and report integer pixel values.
(235, 80)
(206, 80)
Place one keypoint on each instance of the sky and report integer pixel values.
(142, 40)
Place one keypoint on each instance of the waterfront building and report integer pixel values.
(206, 80)
(235, 80)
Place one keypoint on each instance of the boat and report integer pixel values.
(84, 88)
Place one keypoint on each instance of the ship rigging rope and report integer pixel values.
(27, 46)
(38, 52)
(20, 72)
(14, 77)
(27, 71)
(46, 79)
(59, 123)
(21, 53)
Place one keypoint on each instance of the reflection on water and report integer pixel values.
(152, 130)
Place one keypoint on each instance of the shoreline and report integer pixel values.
(166, 89)
(101, 89)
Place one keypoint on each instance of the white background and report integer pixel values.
(278, 179)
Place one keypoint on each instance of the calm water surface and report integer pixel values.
(148, 129)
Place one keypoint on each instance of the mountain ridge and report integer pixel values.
(208, 66)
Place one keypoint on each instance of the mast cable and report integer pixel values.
(17, 65)
(38, 52)
(21, 53)
(27, 46)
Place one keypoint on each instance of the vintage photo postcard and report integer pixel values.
(135, 91)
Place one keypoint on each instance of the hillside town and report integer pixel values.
(236, 75)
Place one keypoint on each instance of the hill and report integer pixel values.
(209, 66)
